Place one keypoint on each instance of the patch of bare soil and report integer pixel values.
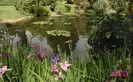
(13, 20)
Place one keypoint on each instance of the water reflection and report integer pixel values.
(40, 40)
(2, 34)
(82, 47)
(14, 39)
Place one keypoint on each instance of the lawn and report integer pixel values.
(9, 12)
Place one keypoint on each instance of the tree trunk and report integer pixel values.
(38, 7)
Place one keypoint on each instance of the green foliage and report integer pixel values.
(101, 5)
(90, 12)
(47, 10)
(43, 11)
(118, 3)
(24, 5)
(60, 7)
(7, 2)
(31, 6)
(109, 31)
(71, 8)
(82, 4)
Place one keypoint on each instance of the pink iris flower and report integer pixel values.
(3, 69)
(55, 68)
(28, 57)
(65, 65)
(120, 73)
(57, 76)
(18, 42)
(5, 56)
(116, 73)
(125, 73)
(43, 55)
(36, 47)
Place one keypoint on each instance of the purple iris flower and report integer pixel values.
(55, 59)
(5, 56)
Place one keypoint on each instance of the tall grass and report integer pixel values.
(97, 68)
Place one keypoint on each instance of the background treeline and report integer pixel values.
(7, 2)
(45, 7)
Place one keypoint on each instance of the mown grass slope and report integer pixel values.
(9, 13)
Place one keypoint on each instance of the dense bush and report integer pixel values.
(47, 10)
(60, 7)
(101, 5)
(71, 8)
(109, 31)
(45, 7)
(43, 10)
(7, 2)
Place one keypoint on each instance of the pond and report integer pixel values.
(35, 30)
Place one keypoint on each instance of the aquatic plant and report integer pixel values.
(59, 33)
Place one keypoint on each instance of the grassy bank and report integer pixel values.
(25, 64)
(9, 13)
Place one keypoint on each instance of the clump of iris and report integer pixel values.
(55, 59)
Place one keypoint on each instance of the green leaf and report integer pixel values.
(117, 36)
(94, 29)
(108, 34)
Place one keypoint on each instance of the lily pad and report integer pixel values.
(59, 33)
(41, 22)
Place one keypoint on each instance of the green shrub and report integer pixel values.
(60, 7)
(44, 11)
(90, 12)
(71, 8)
(7, 2)
(109, 31)
(32, 9)
(47, 10)
(101, 5)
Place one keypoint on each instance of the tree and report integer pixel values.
(38, 6)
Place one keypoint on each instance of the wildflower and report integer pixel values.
(55, 59)
(116, 73)
(5, 56)
(57, 76)
(28, 57)
(55, 68)
(125, 73)
(36, 47)
(42, 55)
(120, 73)
(3, 69)
(65, 65)
(18, 42)
(38, 52)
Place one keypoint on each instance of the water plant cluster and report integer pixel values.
(59, 33)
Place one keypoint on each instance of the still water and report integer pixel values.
(34, 32)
